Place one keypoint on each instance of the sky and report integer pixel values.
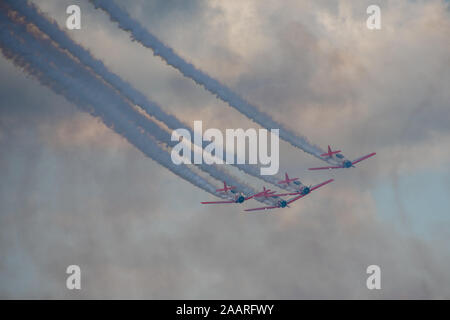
(75, 192)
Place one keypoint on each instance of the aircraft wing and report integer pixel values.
(272, 194)
(217, 202)
(256, 195)
(321, 184)
(363, 158)
(263, 194)
(312, 189)
(284, 194)
(296, 198)
(323, 168)
(262, 208)
(287, 180)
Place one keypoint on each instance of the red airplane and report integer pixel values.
(287, 180)
(330, 153)
(346, 163)
(239, 198)
(283, 203)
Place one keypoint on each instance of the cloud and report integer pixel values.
(75, 193)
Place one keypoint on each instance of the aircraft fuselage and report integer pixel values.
(305, 190)
(347, 164)
(282, 203)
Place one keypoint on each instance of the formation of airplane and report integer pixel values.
(300, 189)
(240, 198)
(300, 194)
(267, 193)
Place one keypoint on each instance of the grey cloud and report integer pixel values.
(139, 232)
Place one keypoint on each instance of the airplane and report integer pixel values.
(330, 153)
(346, 163)
(285, 203)
(240, 198)
(287, 180)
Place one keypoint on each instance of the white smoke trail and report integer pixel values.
(84, 76)
(26, 55)
(52, 29)
(140, 34)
